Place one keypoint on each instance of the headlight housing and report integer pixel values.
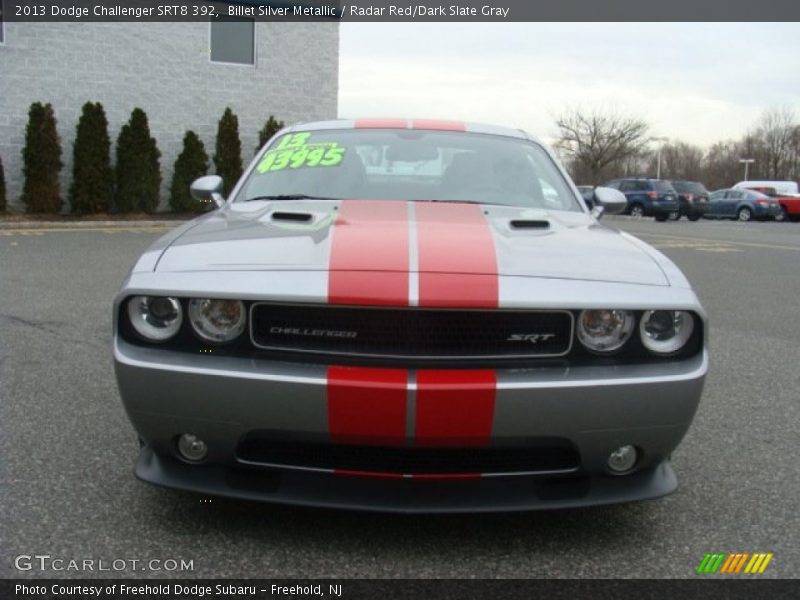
(217, 321)
(155, 318)
(604, 331)
(666, 331)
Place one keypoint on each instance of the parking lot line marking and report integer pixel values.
(713, 242)
(43, 230)
(701, 246)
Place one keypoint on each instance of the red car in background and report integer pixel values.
(790, 202)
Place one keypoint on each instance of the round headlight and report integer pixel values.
(666, 331)
(605, 331)
(217, 321)
(155, 318)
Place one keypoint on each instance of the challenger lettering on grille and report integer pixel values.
(313, 332)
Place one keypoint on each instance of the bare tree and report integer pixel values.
(679, 160)
(593, 141)
(794, 156)
(776, 130)
(722, 168)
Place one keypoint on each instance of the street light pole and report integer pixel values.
(658, 153)
(746, 162)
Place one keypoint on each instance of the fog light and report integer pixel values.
(192, 447)
(622, 459)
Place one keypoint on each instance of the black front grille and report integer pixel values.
(537, 455)
(411, 332)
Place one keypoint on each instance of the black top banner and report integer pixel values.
(409, 11)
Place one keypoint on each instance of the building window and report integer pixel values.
(233, 41)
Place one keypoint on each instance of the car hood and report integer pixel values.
(297, 235)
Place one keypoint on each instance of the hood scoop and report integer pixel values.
(539, 225)
(291, 217)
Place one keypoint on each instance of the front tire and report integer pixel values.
(637, 211)
(744, 214)
(693, 217)
(674, 215)
(781, 216)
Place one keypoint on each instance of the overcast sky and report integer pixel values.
(695, 82)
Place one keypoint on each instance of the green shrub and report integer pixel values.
(138, 170)
(92, 177)
(271, 127)
(41, 158)
(191, 163)
(228, 151)
(2, 188)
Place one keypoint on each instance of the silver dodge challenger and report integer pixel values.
(411, 316)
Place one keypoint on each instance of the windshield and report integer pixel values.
(407, 164)
(664, 186)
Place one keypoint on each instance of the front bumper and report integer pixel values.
(766, 212)
(222, 399)
(405, 495)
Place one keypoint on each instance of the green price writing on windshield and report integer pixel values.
(295, 151)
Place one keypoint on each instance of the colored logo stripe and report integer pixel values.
(732, 563)
(367, 405)
(710, 563)
(454, 408)
(457, 258)
(369, 254)
(758, 563)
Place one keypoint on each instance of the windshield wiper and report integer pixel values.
(291, 197)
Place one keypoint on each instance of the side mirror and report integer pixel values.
(208, 189)
(608, 201)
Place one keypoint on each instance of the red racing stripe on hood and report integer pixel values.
(457, 258)
(454, 407)
(369, 254)
(367, 405)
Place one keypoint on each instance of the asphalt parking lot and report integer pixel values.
(67, 488)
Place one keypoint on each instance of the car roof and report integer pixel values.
(743, 190)
(403, 123)
(789, 187)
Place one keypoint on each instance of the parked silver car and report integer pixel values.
(414, 316)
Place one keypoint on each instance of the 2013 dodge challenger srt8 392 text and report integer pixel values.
(408, 316)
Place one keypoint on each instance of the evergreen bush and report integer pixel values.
(191, 163)
(2, 188)
(228, 151)
(138, 170)
(271, 127)
(92, 185)
(41, 161)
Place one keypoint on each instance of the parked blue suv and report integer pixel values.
(647, 197)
